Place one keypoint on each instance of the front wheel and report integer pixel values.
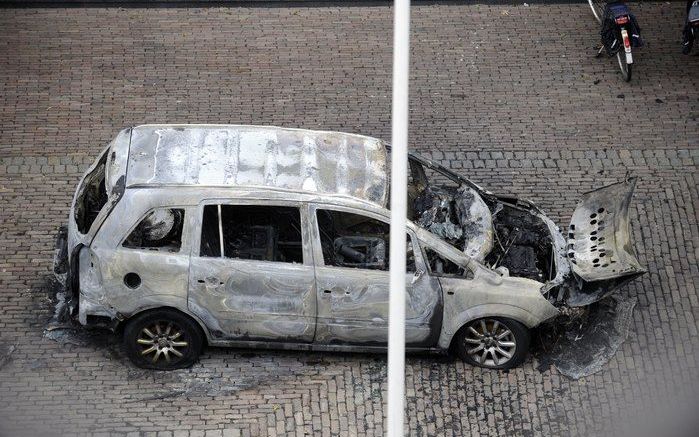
(163, 340)
(623, 65)
(598, 7)
(493, 343)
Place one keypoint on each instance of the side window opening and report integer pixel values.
(409, 256)
(440, 266)
(93, 196)
(264, 233)
(267, 233)
(210, 235)
(353, 240)
(160, 230)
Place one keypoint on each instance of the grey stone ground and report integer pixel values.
(509, 95)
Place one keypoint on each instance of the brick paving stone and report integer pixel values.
(509, 95)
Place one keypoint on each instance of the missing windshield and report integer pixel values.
(92, 196)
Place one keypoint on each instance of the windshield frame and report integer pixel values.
(429, 240)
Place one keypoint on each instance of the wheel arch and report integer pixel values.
(503, 311)
(140, 311)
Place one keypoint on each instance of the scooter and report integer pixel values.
(691, 26)
(619, 30)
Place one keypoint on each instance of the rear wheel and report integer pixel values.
(688, 40)
(623, 65)
(493, 343)
(163, 340)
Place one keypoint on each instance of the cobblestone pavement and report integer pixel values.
(511, 96)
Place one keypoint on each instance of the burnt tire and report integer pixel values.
(493, 343)
(162, 339)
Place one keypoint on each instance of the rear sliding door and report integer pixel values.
(251, 276)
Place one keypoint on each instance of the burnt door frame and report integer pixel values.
(353, 302)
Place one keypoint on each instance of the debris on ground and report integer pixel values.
(582, 348)
(79, 336)
(62, 329)
(5, 354)
(53, 296)
(198, 382)
(198, 386)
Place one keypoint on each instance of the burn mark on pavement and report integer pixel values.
(584, 347)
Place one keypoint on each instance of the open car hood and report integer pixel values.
(599, 244)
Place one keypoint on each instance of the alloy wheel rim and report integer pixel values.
(489, 342)
(162, 341)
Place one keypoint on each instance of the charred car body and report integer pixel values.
(186, 235)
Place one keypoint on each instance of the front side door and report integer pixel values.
(351, 253)
(251, 276)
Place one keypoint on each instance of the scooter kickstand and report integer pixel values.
(599, 52)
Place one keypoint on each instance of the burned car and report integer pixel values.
(182, 236)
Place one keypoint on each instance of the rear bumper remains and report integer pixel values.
(60, 256)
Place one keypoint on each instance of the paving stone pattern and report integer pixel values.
(511, 96)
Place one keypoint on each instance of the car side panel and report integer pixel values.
(469, 299)
(353, 302)
(104, 265)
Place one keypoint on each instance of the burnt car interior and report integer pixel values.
(265, 233)
(353, 240)
(441, 202)
(441, 266)
(160, 230)
(91, 197)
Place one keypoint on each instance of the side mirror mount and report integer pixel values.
(503, 271)
(417, 275)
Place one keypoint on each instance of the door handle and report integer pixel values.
(211, 281)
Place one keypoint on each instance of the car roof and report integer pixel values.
(261, 157)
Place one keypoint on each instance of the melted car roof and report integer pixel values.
(259, 156)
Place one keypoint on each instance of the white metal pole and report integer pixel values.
(399, 212)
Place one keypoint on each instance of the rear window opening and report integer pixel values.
(160, 230)
(92, 196)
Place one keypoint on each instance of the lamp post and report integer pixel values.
(399, 212)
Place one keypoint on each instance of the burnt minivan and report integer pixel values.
(182, 236)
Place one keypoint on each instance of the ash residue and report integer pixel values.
(201, 381)
(198, 386)
(74, 334)
(50, 300)
(583, 347)
(63, 329)
(6, 354)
